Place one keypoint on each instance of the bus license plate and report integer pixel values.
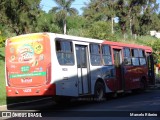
(27, 90)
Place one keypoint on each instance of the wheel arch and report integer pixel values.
(101, 81)
(143, 79)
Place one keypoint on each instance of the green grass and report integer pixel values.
(2, 78)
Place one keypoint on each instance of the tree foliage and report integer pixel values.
(47, 23)
(100, 30)
(64, 9)
(134, 18)
(156, 49)
(20, 15)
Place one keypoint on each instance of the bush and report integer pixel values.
(78, 32)
(2, 41)
(100, 30)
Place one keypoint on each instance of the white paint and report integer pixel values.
(152, 33)
(157, 35)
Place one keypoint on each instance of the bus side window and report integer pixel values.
(106, 54)
(127, 56)
(95, 54)
(135, 59)
(142, 58)
(64, 51)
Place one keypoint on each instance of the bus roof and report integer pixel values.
(120, 44)
(76, 38)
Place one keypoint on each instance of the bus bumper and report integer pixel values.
(45, 90)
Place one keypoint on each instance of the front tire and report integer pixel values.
(99, 92)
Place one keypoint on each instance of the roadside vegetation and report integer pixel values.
(2, 78)
(134, 21)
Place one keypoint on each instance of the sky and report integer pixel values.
(78, 4)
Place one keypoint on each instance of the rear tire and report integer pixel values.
(99, 92)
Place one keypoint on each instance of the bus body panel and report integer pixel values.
(28, 65)
(131, 75)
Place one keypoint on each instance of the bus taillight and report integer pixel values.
(48, 75)
(7, 76)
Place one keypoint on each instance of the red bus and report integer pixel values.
(49, 64)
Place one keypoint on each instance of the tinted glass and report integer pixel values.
(141, 53)
(135, 52)
(64, 52)
(142, 61)
(127, 52)
(105, 50)
(135, 61)
(94, 48)
(95, 54)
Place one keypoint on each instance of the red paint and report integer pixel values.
(119, 44)
(111, 83)
(28, 65)
(49, 90)
(129, 74)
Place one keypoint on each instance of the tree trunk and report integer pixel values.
(124, 36)
(64, 27)
(112, 19)
(130, 24)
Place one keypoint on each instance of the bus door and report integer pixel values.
(82, 69)
(117, 55)
(150, 64)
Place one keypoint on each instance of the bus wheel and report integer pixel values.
(99, 91)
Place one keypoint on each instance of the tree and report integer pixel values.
(110, 11)
(2, 9)
(100, 10)
(100, 30)
(136, 15)
(46, 22)
(122, 13)
(156, 48)
(146, 21)
(76, 26)
(75, 22)
(63, 10)
(93, 11)
(21, 15)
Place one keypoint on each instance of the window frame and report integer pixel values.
(136, 57)
(143, 56)
(100, 54)
(124, 56)
(110, 54)
(71, 53)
